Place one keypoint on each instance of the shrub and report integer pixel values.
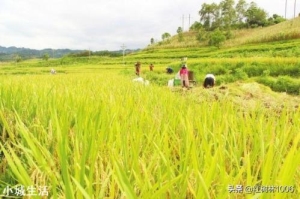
(18, 58)
(229, 34)
(217, 38)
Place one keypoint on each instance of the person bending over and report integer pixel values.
(209, 81)
(169, 70)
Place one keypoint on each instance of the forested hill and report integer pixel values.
(8, 53)
(18, 54)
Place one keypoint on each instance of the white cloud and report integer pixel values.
(101, 24)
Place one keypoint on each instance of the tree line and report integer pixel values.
(230, 15)
(218, 20)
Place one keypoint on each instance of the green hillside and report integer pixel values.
(286, 30)
(267, 55)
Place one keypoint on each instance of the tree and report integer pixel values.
(228, 13)
(217, 17)
(205, 15)
(17, 58)
(278, 19)
(217, 38)
(165, 36)
(152, 41)
(45, 56)
(255, 16)
(180, 34)
(208, 14)
(241, 8)
(196, 26)
(179, 30)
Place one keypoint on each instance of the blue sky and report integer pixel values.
(103, 24)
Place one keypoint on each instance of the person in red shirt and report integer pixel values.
(184, 76)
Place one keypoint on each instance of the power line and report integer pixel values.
(189, 17)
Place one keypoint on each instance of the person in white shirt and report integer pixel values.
(209, 81)
(52, 71)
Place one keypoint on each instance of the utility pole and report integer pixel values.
(123, 48)
(182, 22)
(285, 8)
(295, 8)
(189, 21)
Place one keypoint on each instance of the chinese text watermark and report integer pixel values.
(20, 190)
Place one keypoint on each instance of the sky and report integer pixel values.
(104, 24)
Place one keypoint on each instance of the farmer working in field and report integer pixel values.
(169, 70)
(184, 76)
(151, 67)
(209, 81)
(52, 71)
(137, 68)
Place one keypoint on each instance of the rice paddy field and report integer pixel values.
(100, 135)
(91, 132)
